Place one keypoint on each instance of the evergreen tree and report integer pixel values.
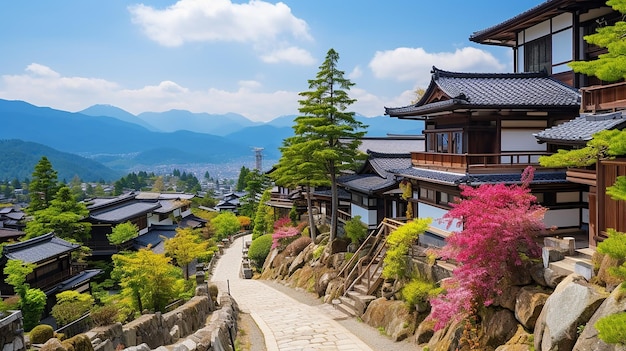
(611, 66)
(63, 216)
(43, 187)
(256, 183)
(327, 129)
(241, 181)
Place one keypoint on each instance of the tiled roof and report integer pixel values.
(383, 179)
(366, 183)
(124, 211)
(448, 178)
(8, 233)
(492, 90)
(382, 163)
(39, 249)
(77, 280)
(581, 129)
(393, 144)
(192, 221)
(154, 237)
(342, 194)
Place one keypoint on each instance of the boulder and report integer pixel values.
(448, 338)
(498, 326)
(528, 305)
(507, 298)
(322, 283)
(393, 316)
(588, 339)
(571, 305)
(53, 344)
(552, 277)
(521, 341)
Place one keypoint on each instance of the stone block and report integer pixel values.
(551, 254)
(585, 269)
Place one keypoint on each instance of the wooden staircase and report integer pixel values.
(363, 272)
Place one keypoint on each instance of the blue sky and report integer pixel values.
(252, 58)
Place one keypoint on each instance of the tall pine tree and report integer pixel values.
(326, 129)
(43, 187)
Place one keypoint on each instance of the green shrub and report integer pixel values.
(419, 291)
(612, 328)
(355, 230)
(259, 249)
(615, 247)
(399, 242)
(80, 342)
(41, 333)
(70, 306)
(317, 253)
(104, 315)
(33, 304)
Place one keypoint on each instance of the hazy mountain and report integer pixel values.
(116, 112)
(174, 120)
(109, 140)
(266, 136)
(377, 126)
(18, 159)
(282, 121)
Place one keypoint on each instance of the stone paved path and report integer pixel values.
(287, 324)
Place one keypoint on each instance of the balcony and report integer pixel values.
(476, 163)
(605, 98)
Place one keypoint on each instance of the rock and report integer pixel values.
(53, 344)
(175, 333)
(538, 275)
(322, 283)
(498, 326)
(298, 262)
(521, 341)
(507, 298)
(551, 254)
(336, 260)
(339, 245)
(588, 339)
(106, 345)
(572, 304)
(552, 278)
(393, 316)
(448, 338)
(424, 332)
(528, 305)
(520, 275)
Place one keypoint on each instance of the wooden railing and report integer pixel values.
(607, 98)
(362, 264)
(475, 162)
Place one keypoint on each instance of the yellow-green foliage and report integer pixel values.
(80, 342)
(612, 328)
(104, 315)
(418, 290)
(398, 244)
(41, 333)
(70, 306)
(615, 247)
(317, 253)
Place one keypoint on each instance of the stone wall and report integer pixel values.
(12, 332)
(197, 323)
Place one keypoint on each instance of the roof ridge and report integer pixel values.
(437, 73)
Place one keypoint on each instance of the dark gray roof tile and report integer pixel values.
(39, 249)
(448, 178)
(581, 129)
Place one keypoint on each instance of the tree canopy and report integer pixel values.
(610, 66)
(326, 130)
(123, 232)
(225, 224)
(43, 187)
(185, 247)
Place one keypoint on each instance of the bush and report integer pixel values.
(104, 315)
(41, 333)
(32, 307)
(70, 306)
(612, 328)
(284, 236)
(355, 230)
(418, 291)
(399, 242)
(297, 246)
(317, 253)
(80, 342)
(259, 249)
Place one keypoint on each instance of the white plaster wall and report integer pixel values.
(436, 213)
(562, 218)
(520, 140)
(367, 216)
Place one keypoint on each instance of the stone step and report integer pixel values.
(586, 252)
(345, 309)
(567, 266)
(356, 296)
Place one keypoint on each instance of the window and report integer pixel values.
(538, 55)
(445, 142)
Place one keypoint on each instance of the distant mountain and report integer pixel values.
(266, 136)
(110, 140)
(174, 120)
(282, 121)
(116, 112)
(18, 159)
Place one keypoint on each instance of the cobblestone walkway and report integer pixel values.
(287, 324)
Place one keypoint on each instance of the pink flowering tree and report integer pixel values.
(283, 222)
(283, 236)
(499, 225)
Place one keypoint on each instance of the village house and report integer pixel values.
(547, 37)
(480, 128)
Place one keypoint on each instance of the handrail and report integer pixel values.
(380, 234)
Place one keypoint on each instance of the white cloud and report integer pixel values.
(42, 86)
(357, 72)
(218, 20)
(415, 64)
(292, 55)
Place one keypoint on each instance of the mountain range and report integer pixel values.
(120, 140)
